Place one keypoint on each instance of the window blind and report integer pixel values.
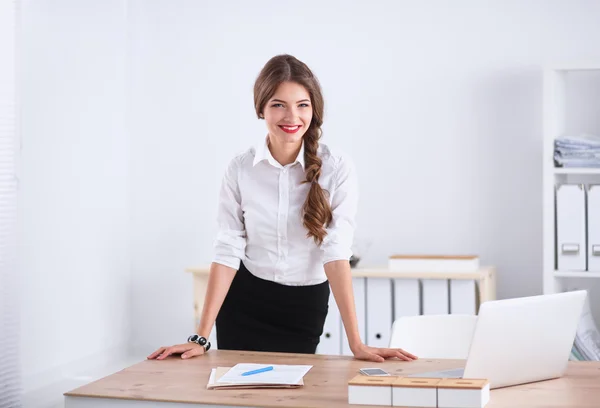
(10, 390)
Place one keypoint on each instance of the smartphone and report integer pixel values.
(373, 371)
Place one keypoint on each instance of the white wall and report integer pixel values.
(131, 110)
(438, 102)
(75, 246)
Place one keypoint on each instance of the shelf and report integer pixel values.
(484, 272)
(383, 272)
(576, 274)
(584, 67)
(576, 170)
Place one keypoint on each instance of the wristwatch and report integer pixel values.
(194, 338)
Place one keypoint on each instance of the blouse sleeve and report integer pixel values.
(337, 244)
(230, 243)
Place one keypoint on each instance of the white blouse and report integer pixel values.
(260, 216)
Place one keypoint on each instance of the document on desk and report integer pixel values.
(280, 374)
(217, 373)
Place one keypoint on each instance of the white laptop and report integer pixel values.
(521, 340)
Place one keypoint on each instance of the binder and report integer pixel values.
(379, 311)
(358, 284)
(407, 298)
(213, 338)
(463, 296)
(330, 341)
(570, 227)
(435, 296)
(593, 228)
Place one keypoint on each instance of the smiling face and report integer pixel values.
(288, 113)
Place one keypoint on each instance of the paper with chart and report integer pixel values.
(281, 374)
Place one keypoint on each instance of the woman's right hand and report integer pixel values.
(186, 350)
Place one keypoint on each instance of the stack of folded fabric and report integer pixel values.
(577, 151)
(586, 346)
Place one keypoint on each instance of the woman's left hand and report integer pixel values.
(376, 354)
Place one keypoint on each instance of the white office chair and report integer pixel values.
(434, 336)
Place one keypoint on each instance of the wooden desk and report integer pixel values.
(177, 383)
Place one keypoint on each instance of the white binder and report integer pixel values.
(358, 284)
(379, 311)
(593, 228)
(463, 298)
(330, 341)
(407, 298)
(435, 296)
(570, 227)
(213, 338)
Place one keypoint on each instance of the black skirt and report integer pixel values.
(261, 315)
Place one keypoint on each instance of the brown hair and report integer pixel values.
(286, 68)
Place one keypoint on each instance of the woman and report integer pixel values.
(286, 225)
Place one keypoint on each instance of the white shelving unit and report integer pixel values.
(571, 107)
(576, 171)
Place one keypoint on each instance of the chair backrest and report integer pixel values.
(434, 336)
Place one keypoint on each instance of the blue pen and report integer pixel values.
(260, 370)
